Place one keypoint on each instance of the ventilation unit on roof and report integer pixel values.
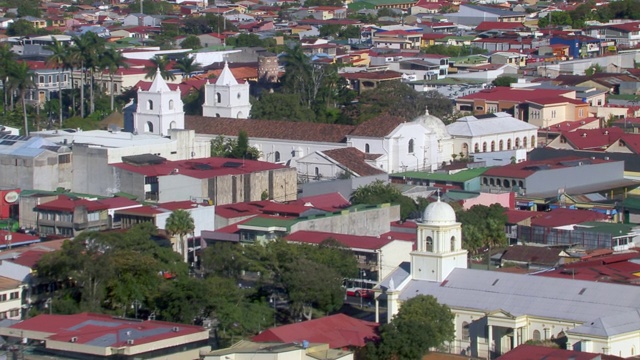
(130, 342)
(175, 329)
(74, 339)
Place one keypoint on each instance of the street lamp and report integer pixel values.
(362, 287)
(49, 304)
(136, 304)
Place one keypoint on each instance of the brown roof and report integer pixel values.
(379, 126)
(373, 75)
(354, 160)
(269, 129)
(532, 255)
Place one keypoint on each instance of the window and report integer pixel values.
(149, 105)
(493, 146)
(64, 159)
(15, 312)
(524, 142)
(581, 113)
(50, 79)
(485, 181)
(410, 146)
(533, 140)
(536, 335)
(476, 148)
(553, 114)
(429, 244)
(239, 95)
(520, 184)
(484, 147)
(93, 216)
(14, 295)
(170, 104)
(218, 98)
(509, 144)
(501, 145)
(148, 127)
(41, 79)
(465, 331)
(366, 148)
(277, 156)
(3, 297)
(453, 243)
(517, 143)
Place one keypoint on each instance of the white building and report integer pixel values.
(490, 133)
(496, 311)
(159, 109)
(226, 98)
(10, 298)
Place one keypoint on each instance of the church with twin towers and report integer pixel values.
(160, 109)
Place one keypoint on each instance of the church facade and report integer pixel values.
(496, 311)
(226, 97)
(158, 109)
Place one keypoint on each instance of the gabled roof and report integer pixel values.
(226, 77)
(564, 217)
(327, 202)
(269, 129)
(516, 216)
(379, 126)
(339, 331)
(593, 139)
(535, 255)
(527, 168)
(354, 161)
(67, 204)
(497, 123)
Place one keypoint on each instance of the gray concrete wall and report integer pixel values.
(41, 172)
(129, 182)
(344, 187)
(91, 174)
(179, 187)
(281, 184)
(370, 222)
(573, 177)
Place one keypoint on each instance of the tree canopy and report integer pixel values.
(420, 324)
(234, 148)
(483, 226)
(380, 192)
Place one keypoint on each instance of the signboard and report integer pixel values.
(11, 197)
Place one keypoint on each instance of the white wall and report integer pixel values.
(203, 218)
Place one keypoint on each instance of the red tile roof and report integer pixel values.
(350, 241)
(373, 75)
(526, 168)
(613, 268)
(557, 100)
(632, 141)
(572, 125)
(533, 352)
(67, 204)
(87, 328)
(564, 217)
(502, 93)
(339, 331)
(327, 202)
(516, 216)
(269, 129)
(354, 160)
(593, 139)
(17, 239)
(204, 168)
(236, 210)
(379, 126)
(29, 258)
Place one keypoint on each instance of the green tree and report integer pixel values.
(20, 27)
(28, 8)
(188, 65)
(379, 192)
(224, 259)
(483, 226)
(236, 149)
(112, 61)
(504, 81)
(279, 106)
(21, 80)
(592, 70)
(57, 61)
(181, 223)
(191, 42)
(159, 63)
(7, 58)
(420, 324)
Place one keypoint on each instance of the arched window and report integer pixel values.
(218, 98)
(513, 183)
(41, 79)
(517, 143)
(493, 146)
(465, 148)
(501, 145)
(533, 141)
(520, 184)
(317, 171)
(485, 181)
(498, 182)
(429, 244)
(149, 105)
(217, 115)
(172, 125)
(410, 146)
(476, 148)
(524, 142)
(453, 243)
(491, 182)
(465, 331)
(536, 335)
(484, 147)
(366, 148)
(170, 104)
(509, 144)
(149, 127)
(277, 156)
(506, 183)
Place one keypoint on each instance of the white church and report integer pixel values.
(497, 311)
(159, 109)
(226, 97)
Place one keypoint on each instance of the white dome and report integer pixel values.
(434, 124)
(439, 213)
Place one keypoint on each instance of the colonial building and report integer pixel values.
(226, 97)
(159, 109)
(497, 311)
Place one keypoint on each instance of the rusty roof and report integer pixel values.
(354, 160)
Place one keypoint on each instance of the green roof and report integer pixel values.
(461, 176)
(613, 229)
(631, 203)
(359, 5)
(457, 195)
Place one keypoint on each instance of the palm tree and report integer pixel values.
(76, 58)
(21, 79)
(86, 52)
(112, 61)
(57, 61)
(180, 223)
(7, 57)
(162, 63)
(188, 66)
